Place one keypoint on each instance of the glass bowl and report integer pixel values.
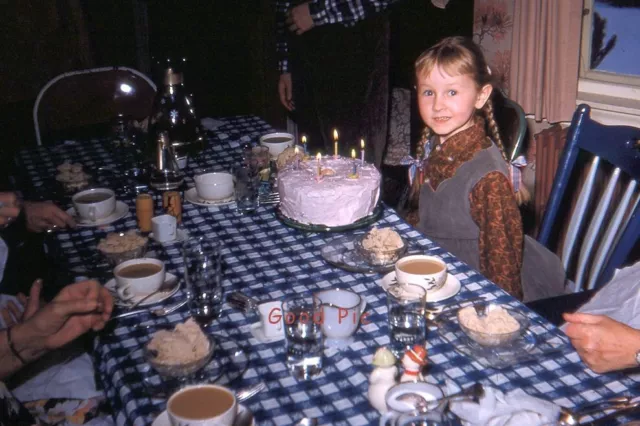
(494, 339)
(379, 257)
(179, 370)
(115, 257)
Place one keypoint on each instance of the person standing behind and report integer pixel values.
(466, 202)
(333, 57)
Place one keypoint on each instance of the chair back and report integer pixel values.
(512, 123)
(603, 224)
(93, 96)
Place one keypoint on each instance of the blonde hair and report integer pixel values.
(459, 56)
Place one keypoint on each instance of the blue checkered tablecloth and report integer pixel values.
(267, 260)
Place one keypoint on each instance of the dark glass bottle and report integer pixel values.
(173, 112)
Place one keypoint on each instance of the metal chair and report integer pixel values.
(604, 225)
(92, 96)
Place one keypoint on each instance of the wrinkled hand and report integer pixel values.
(45, 215)
(603, 343)
(13, 313)
(78, 308)
(285, 90)
(9, 208)
(299, 19)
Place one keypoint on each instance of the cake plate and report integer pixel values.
(310, 227)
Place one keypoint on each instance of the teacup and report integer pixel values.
(164, 228)
(271, 319)
(93, 204)
(202, 405)
(428, 272)
(400, 412)
(341, 312)
(139, 277)
(277, 142)
(214, 185)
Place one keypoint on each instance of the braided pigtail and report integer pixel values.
(523, 195)
(417, 181)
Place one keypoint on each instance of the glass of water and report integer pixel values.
(203, 277)
(247, 189)
(407, 324)
(303, 335)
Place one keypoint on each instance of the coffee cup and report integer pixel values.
(202, 405)
(429, 272)
(93, 204)
(271, 319)
(277, 142)
(214, 185)
(139, 277)
(341, 312)
(164, 228)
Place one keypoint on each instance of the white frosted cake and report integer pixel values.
(335, 199)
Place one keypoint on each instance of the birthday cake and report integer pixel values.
(330, 195)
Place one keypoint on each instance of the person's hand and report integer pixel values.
(603, 343)
(16, 312)
(78, 308)
(9, 208)
(44, 215)
(299, 19)
(285, 90)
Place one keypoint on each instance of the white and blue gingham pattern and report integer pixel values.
(267, 260)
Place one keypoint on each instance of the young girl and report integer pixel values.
(466, 201)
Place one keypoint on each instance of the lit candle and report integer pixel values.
(319, 158)
(362, 151)
(304, 144)
(355, 166)
(335, 143)
(295, 150)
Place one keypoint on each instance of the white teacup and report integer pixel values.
(94, 204)
(341, 310)
(277, 142)
(202, 405)
(214, 186)
(271, 319)
(139, 277)
(428, 272)
(164, 228)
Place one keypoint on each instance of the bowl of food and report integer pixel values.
(492, 324)
(123, 246)
(179, 352)
(380, 246)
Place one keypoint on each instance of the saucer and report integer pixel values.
(256, 331)
(244, 418)
(450, 288)
(120, 211)
(191, 196)
(181, 236)
(171, 281)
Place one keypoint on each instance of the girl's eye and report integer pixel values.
(428, 93)
(452, 93)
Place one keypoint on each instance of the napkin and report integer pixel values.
(514, 408)
(210, 123)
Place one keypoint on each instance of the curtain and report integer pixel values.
(545, 57)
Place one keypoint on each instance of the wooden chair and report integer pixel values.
(603, 225)
(87, 97)
(512, 123)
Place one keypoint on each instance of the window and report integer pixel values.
(610, 59)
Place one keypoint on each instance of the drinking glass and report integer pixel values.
(247, 189)
(303, 335)
(407, 324)
(203, 278)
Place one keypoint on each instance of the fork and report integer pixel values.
(159, 312)
(246, 393)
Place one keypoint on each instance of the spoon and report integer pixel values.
(474, 393)
(572, 417)
(241, 301)
(159, 312)
(307, 421)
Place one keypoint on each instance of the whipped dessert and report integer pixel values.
(121, 242)
(497, 321)
(183, 345)
(382, 240)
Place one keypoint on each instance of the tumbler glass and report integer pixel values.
(303, 335)
(247, 190)
(407, 324)
(203, 277)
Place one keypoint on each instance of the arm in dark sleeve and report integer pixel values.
(495, 211)
(347, 12)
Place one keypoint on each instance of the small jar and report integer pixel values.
(144, 211)
(172, 204)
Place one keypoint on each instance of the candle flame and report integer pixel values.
(362, 143)
(335, 134)
(295, 150)
(304, 139)
(353, 153)
(319, 157)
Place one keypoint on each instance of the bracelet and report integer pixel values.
(13, 349)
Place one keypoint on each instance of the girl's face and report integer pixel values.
(448, 103)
